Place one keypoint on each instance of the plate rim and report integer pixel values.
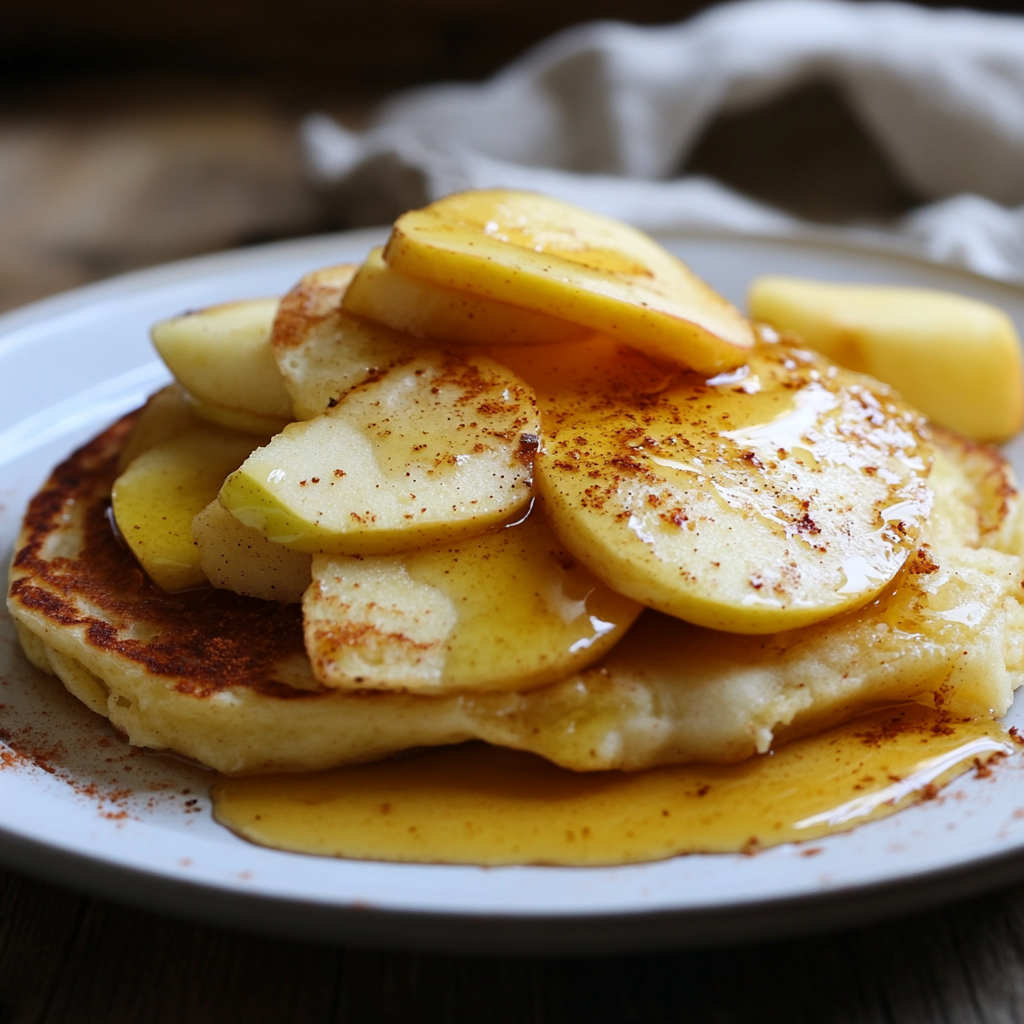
(486, 933)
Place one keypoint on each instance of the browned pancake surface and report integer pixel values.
(206, 640)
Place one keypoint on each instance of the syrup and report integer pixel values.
(477, 804)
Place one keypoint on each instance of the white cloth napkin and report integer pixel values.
(603, 113)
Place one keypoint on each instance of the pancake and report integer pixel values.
(225, 679)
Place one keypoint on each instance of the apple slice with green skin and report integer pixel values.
(234, 557)
(564, 262)
(156, 498)
(955, 358)
(439, 447)
(425, 309)
(760, 500)
(223, 359)
(322, 350)
(509, 610)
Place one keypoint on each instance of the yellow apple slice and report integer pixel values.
(172, 411)
(564, 262)
(322, 350)
(757, 501)
(237, 419)
(955, 358)
(425, 309)
(234, 557)
(510, 610)
(166, 415)
(222, 357)
(156, 498)
(439, 447)
(597, 365)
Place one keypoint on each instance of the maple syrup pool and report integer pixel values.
(477, 804)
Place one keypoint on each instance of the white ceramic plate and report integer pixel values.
(94, 814)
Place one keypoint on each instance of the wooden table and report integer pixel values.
(100, 178)
(67, 959)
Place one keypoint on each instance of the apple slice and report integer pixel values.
(439, 447)
(233, 557)
(564, 262)
(957, 359)
(166, 415)
(222, 357)
(510, 610)
(243, 420)
(760, 500)
(426, 309)
(596, 365)
(322, 350)
(172, 411)
(156, 498)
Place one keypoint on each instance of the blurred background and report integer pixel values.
(133, 134)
